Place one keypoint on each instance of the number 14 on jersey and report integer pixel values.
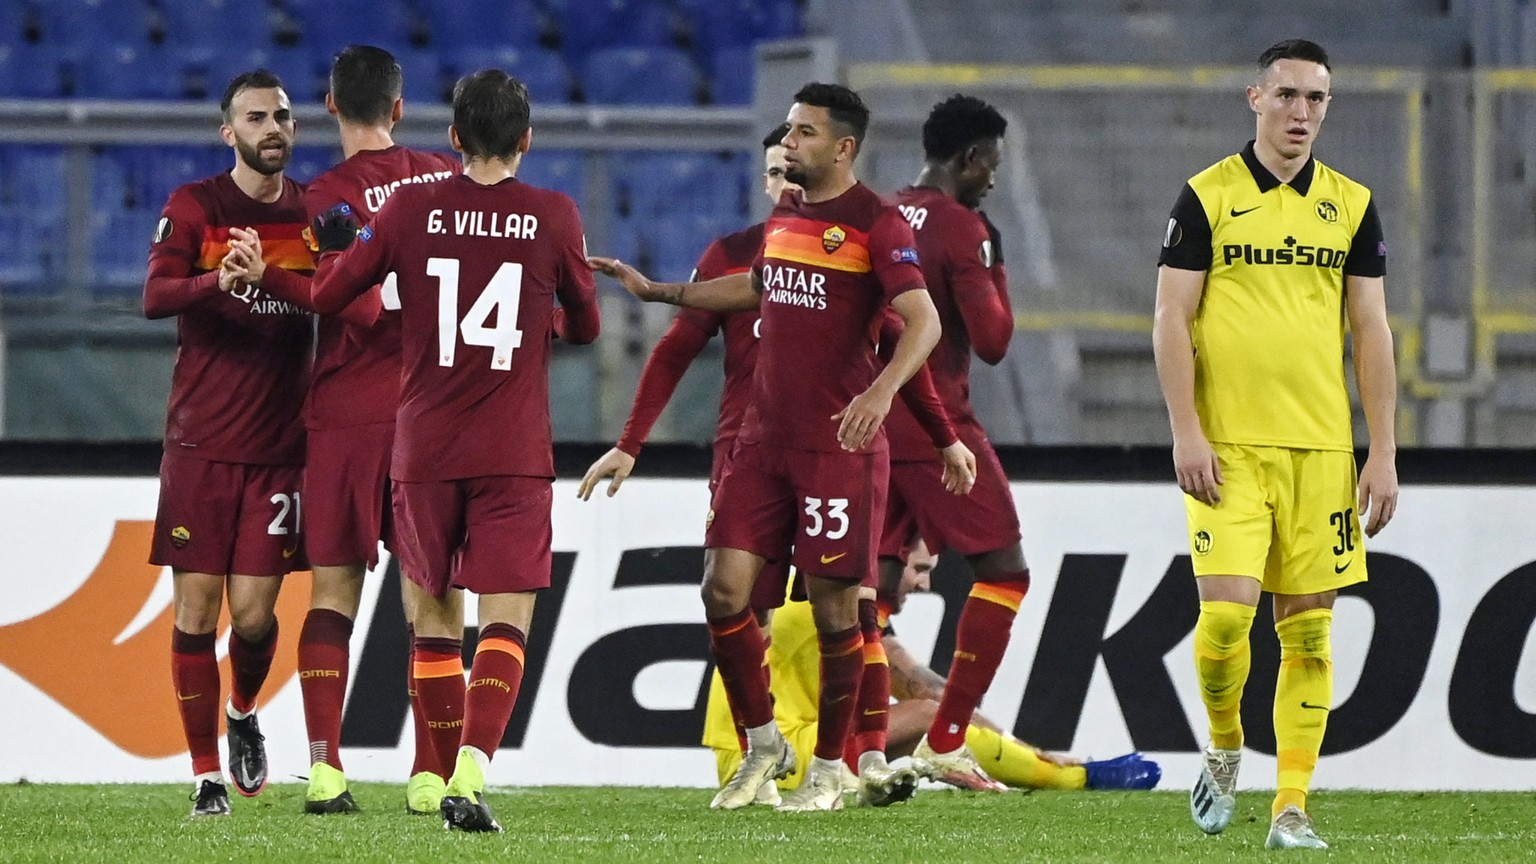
(501, 298)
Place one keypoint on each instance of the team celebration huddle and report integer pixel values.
(365, 361)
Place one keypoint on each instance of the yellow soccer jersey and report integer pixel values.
(1269, 333)
(794, 665)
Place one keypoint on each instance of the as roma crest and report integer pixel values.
(832, 239)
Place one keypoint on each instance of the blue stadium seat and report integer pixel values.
(120, 250)
(223, 25)
(640, 76)
(422, 72)
(125, 70)
(461, 24)
(79, 27)
(310, 162)
(586, 27)
(13, 23)
(30, 72)
(548, 79)
(676, 241)
(34, 180)
(622, 241)
(329, 25)
(24, 257)
(732, 75)
(650, 184)
(554, 169)
(719, 24)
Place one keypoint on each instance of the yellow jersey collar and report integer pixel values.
(1267, 181)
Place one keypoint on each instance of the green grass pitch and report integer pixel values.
(123, 824)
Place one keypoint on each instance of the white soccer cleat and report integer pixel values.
(768, 794)
(772, 763)
(1292, 829)
(880, 785)
(958, 768)
(1214, 798)
(822, 789)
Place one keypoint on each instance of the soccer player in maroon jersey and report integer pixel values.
(963, 266)
(480, 259)
(228, 516)
(350, 414)
(810, 465)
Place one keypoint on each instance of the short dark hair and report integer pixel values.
(957, 123)
(365, 82)
(490, 113)
(256, 79)
(845, 106)
(1294, 49)
(776, 137)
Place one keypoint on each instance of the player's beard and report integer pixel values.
(250, 154)
(797, 175)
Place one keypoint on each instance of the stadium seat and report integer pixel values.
(654, 183)
(677, 240)
(465, 24)
(120, 250)
(30, 72)
(622, 240)
(554, 169)
(34, 180)
(732, 75)
(79, 27)
(329, 25)
(548, 79)
(423, 74)
(220, 25)
(310, 162)
(719, 24)
(587, 27)
(124, 70)
(23, 257)
(640, 76)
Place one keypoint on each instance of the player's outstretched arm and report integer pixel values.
(733, 293)
(1376, 373)
(616, 464)
(1194, 462)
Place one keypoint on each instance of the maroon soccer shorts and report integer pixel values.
(489, 535)
(772, 583)
(983, 521)
(826, 506)
(228, 517)
(346, 494)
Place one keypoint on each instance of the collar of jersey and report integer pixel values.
(1267, 181)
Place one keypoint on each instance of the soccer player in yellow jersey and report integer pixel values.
(793, 659)
(1268, 256)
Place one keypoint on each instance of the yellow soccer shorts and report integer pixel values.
(1287, 517)
(801, 737)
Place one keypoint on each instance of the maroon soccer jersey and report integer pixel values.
(965, 276)
(691, 330)
(828, 270)
(242, 357)
(357, 368)
(478, 270)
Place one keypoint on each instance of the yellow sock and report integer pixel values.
(1009, 760)
(1221, 664)
(1303, 697)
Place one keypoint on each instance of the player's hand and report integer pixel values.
(616, 464)
(861, 419)
(245, 243)
(1198, 470)
(335, 229)
(231, 271)
(1378, 492)
(959, 468)
(629, 278)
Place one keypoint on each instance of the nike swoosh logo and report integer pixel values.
(777, 231)
(876, 713)
(1236, 212)
(187, 698)
(1309, 706)
(828, 559)
(1338, 569)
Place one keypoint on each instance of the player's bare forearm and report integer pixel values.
(1173, 349)
(1375, 363)
(733, 293)
(909, 678)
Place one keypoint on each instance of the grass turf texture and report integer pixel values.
(150, 823)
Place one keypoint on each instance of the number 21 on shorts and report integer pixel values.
(501, 297)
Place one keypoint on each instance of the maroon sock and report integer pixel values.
(323, 660)
(195, 675)
(737, 644)
(426, 753)
(869, 724)
(438, 669)
(980, 640)
(842, 664)
(250, 662)
(494, 679)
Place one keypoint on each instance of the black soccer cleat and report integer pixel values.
(210, 799)
(342, 803)
(468, 814)
(247, 756)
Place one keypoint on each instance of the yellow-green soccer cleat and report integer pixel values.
(328, 791)
(424, 794)
(464, 806)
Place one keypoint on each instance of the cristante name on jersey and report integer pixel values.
(262, 303)
(483, 223)
(1292, 253)
(374, 196)
(793, 286)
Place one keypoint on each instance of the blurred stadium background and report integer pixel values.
(648, 112)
